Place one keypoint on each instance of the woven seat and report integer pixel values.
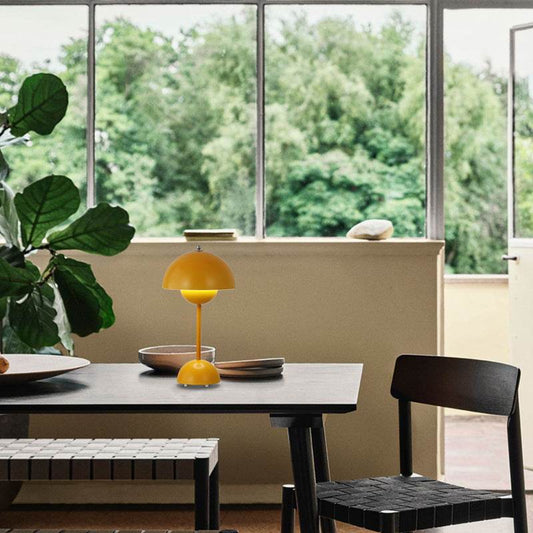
(421, 502)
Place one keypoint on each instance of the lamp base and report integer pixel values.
(198, 372)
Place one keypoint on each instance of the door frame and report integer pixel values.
(511, 204)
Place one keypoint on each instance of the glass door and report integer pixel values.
(520, 246)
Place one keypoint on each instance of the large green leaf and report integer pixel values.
(9, 222)
(33, 317)
(89, 308)
(42, 103)
(3, 308)
(101, 230)
(4, 167)
(45, 204)
(63, 325)
(12, 255)
(11, 342)
(16, 281)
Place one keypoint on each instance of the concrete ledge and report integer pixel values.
(247, 246)
(483, 279)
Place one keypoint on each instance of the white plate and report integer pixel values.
(256, 373)
(252, 363)
(26, 367)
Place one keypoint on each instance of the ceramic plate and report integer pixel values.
(257, 373)
(252, 363)
(25, 367)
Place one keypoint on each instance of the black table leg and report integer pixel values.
(320, 455)
(214, 502)
(299, 429)
(201, 493)
(304, 478)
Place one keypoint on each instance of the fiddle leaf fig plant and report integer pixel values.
(41, 309)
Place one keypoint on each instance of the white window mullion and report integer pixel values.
(260, 140)
(435, 122)
(91, 99)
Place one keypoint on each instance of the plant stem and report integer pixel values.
(30, 248)
(48, 272)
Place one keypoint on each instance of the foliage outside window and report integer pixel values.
(345, 122)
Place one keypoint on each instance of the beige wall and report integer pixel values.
(476, 317)
(476, 320)
(318, 301)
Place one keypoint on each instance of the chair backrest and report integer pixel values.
(480, 386)
(468, 384)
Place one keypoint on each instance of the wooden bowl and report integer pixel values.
(172, 357)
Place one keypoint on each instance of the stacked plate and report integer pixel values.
(251, 368)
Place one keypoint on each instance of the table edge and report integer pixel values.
(170, 409)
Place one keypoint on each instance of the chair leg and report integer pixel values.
(320, 456)
(288, 503)
(516, 464)
(390, 522)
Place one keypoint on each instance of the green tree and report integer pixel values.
(345, 131)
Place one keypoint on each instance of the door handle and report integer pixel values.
(506, 257)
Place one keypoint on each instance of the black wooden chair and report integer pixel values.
(411, 502)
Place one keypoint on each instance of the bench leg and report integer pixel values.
(214, 502)
(201, 493)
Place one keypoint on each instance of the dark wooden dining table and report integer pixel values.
(296, 401)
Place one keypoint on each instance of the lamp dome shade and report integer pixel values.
(200, 271)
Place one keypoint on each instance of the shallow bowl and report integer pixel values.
(171, 358)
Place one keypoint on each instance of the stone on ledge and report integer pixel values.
(372, 230)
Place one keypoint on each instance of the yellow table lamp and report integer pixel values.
(199, 276)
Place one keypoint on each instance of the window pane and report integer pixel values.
(175, 115)
(345, 118)
(47, 39)
(476, 74)
(523, 134)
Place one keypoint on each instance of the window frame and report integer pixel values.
(434, 88)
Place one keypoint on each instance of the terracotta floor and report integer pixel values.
(470, 444)
(245, 520)
(476, 453)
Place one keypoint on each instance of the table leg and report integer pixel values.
(299, 429)
(201, 493)
(214, 502)
(304, 478)
(320, 455)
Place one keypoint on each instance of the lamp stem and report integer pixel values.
(198, 331)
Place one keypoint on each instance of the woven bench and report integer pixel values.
(119, 459)
(113, 531)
